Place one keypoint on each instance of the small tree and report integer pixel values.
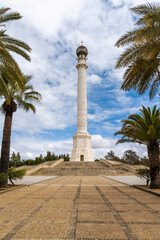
(66, 157)
(54, 157)
(144, 173)
(39, 159)
(29, 162)
(130, 157)
(16, 158)
(48, 157)
(15, 174)
(110, 155)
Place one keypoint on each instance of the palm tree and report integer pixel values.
(15, 97)
(142, 57)
(9, 69)
(144, 128)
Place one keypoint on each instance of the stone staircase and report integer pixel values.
(80, 169)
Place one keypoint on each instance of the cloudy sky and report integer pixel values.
(54, 29)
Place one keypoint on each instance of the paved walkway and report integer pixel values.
(79, 208)
(129, 180)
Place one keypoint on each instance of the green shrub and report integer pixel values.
(66, 159)
(96, 160)
(144, 173)
(15, 174)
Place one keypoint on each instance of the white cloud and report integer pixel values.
(94, 79)
(53, 29)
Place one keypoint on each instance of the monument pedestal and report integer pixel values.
(82, 147)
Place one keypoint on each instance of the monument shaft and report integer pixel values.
(82, 140)
(82, 96)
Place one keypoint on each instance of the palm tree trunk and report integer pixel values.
(5, 150)
(153, 154)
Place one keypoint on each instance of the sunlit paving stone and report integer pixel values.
(38, 196)
(31, 200)
(13, 215)
(121, 200)
(153, 200)
(80, 212)
(62, 206)
(42, 230)
(22, 206)
(154, 206)
(66, 195)
(6, 227)
(128, 207)
(93, 207)
(55, 216)
(91, 200)
(146, 231)
(91, 196)
(96, 216)
(95, 231)
(120, 196)
(143, 216)
(62, 201)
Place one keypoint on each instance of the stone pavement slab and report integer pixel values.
(28, 180)
(129, 180)
(79, 207)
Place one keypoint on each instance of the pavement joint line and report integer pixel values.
(24, 196)
(71, 233)
(98, 222)
(137, 201)
(124, 226)
(14, 231)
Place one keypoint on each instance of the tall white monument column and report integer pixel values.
(82, 140)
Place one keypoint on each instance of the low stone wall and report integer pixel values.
(112, 164)
(118, 165)
(32, 169)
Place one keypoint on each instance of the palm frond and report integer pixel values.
(3, 10)
(6, 39)
(10, 17)
(18, 51)
(143, 128)
(142, 57)
(127, 38)
(25, 105)
(154, 88)
(33, 96)
(3, 88)
(128, 56)
(144, 9)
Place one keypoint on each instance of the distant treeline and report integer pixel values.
(16, 161)
(129, 157)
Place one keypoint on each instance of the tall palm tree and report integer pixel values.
(142, 57)
(15, 97)
(9, 69)
(144, 128)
